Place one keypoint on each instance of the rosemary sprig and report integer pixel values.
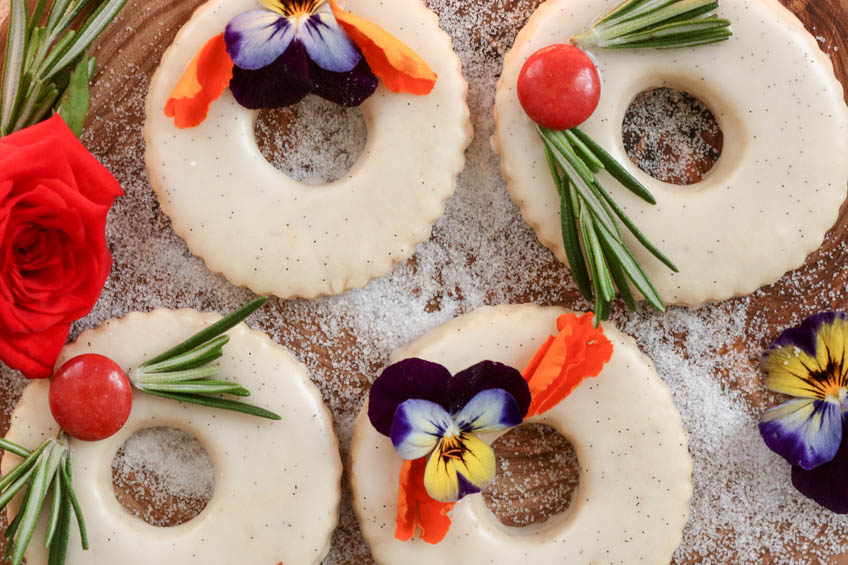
(590, 218)
(49, 466)
(45, 67)
(657, 24)
(185, 373)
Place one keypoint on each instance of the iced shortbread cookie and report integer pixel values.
(635, 470)
(781, 178)
(266, 231)
(277, 484)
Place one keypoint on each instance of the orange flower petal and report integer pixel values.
(398, 66)
(577, 352)
(203, 82)
(416, 508)
(537, 360)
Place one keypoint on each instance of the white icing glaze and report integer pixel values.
(635, 469)
(266, 231)
(277, 484)
(772, 195)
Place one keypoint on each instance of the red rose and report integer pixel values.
(54, 198)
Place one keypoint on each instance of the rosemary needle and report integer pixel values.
(590, 216)
(46, 467)
(184, 372)
(652, 24)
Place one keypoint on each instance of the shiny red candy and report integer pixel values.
(90, 397)
(559, 87)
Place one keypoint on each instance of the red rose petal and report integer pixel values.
(94, 180)
(54, 260)
(34, 354)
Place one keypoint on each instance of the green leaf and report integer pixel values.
(615, 169)
(559, 144)
(584, 152)
(191, 359)
(58, 10)
(568, 222)
(143, 379)
(585, 204)
(587, 195)
(694, 39)
(16, 486)
(585, 220)
(89, 31)
(35, 17)
(73, 106)
(646, 8)
(224, 324)
(12, 447)
(44, 58)
(29, 107)
(620, 279)
(13, 65)
(55, 509)
(635, 230)
(22, 467)
(694, 15)
(657, 24)
(59, 545)
(198, 387)
(40, 112)
(67, 486)
(33, 42)
(633, 270)
(12, 529)
(214, 402)
(620, 10)
(593, 248)
(651, 14)
(38, 490)
(74, 10)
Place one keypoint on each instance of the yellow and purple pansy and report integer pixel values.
(274, 57)
(428, 413)
(291, 48)
(808, 362)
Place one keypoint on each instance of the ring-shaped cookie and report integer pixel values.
(264, 230)
(277, 483)
(773, 193)
(635, 470)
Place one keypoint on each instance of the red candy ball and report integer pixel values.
(90, 397)
(559, 87)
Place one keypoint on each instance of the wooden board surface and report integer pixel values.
(128, 53)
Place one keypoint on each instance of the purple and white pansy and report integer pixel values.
(809, 363)
(291, 48)
(428, 413)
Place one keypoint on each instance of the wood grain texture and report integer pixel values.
(129, 52)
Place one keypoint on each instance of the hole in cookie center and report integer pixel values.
(671, 135)
(537, 475)
(163, 476)
(313, 142)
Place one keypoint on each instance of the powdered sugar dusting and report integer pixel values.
(671, 135)
(163, 475)
(315, 141)
(743, 510)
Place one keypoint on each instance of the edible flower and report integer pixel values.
(274, 56)
(206, 78)
(434, 419)
(579, 351)
(428, 413)
(807, 363)
(399, 67)
(292, 48)
(416, 508)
